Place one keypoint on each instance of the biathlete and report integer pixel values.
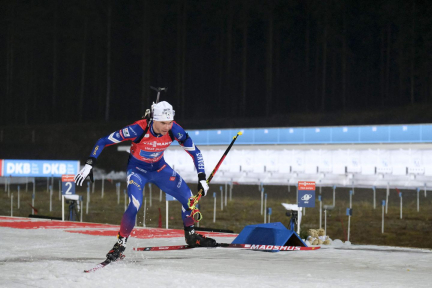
(147, 165)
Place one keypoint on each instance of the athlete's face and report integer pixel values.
(162, 127)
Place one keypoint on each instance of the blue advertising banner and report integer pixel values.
(317, 135)
(306, 194)
(39, 168)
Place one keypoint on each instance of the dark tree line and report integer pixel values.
(80, 60)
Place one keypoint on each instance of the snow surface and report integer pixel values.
(57, 258)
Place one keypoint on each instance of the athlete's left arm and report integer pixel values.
(186, 142)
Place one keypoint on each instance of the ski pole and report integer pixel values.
(192, 202)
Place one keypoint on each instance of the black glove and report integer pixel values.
(202, 184)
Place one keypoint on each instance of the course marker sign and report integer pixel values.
(68, 184)
(306, 194)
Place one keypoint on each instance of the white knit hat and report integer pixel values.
(163, 111)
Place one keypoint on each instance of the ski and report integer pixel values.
(226, 245)
(103, 264)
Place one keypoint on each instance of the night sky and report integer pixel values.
(61, 60)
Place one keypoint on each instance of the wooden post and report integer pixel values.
(62, 198)
(145, 209)
(125, 199)
(88, 199)
(334, 196)
(166, 213)
(400, 196)
(418, 200)
(103, 186)
(387, 197)
(214, 207)
(262, 200)
(320, 216)
(50, 195)
(221, 200)
(325, 221)
(150, 197)
(33, 199)
(382, 225)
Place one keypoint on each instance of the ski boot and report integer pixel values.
(194, 239)
(116, 253)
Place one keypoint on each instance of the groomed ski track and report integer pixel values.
(44, 253)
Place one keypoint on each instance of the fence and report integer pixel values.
(408, 168)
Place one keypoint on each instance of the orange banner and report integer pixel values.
(68, 178)
(306, 185)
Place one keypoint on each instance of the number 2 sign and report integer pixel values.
(68, 184)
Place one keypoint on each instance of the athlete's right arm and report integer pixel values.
(130, 132)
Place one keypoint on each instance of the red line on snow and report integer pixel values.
(97, 229)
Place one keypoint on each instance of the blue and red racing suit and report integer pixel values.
(147, 165)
